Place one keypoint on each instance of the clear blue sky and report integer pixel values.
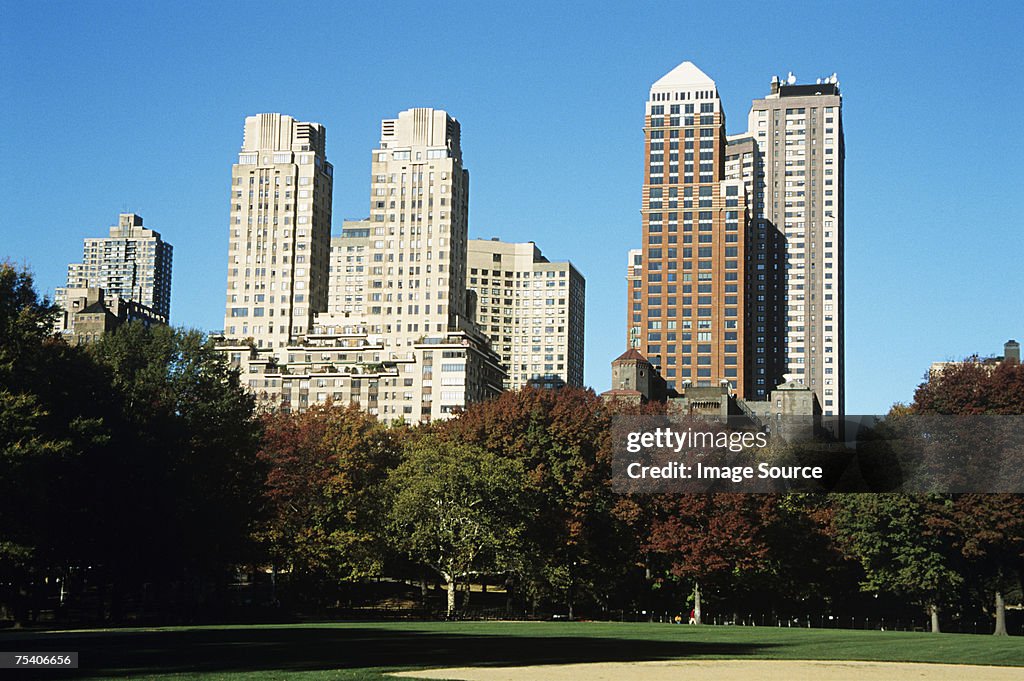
(139, 106)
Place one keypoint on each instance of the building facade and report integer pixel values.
(392, 331)
(280, 231)
(764, 283)
(740, 277)
(798, 176)
(687, 308)
(132, 263)
(531, 309)
(88, 313)
(790, 406)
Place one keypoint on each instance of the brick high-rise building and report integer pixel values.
(280, 231)
(691, 321)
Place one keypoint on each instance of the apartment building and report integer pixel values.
(761, 303)
(279, 231)
(687, 310)
(133, 264)
(764, 284)
(531, 309)
(393, 334)
(88, 313)
(799, 176)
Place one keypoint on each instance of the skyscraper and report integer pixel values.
(280, 231)
(798, 171)
(531, 309)
(419, 209)
(132, 263)
(392, 333)
(687, 307)
(765, 272)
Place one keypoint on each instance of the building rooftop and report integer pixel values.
(809, 90)
(631, 354)
(686, 74)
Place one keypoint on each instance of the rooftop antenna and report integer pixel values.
(790, 79)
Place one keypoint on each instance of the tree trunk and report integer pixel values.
(1000, 615)
(934, 611)
(451, 597)
(696, 602)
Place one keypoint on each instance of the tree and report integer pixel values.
(989, 529)
(454, 508)
(47, 428)
(893, 536)
(131, 461)
(325, 469)
(575, 547)
(711, 538)
(185, 462)
(972, 387)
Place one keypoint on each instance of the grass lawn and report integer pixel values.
(370, 650)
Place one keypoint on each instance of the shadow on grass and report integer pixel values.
(131, 654)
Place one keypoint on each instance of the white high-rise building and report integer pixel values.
(531, 309)
(132, 263)
(419, 212)
(280, 231)
(392, 335)
(798, 177)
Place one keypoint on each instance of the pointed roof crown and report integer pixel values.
(685, 75)
(630, 355)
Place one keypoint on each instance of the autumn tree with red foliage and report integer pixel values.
(712, 538)
(326, 467)
(576, 546)
(972, 387)
(987, 528)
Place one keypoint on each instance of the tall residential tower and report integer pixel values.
(419, 212)
(280, 231)
(389, 329)
(532, 309)
(133, 263)
(687, 307)
(798, 172)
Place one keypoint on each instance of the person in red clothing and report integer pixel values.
(693, 616)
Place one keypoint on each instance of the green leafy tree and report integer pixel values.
(575, 546)
(52, 405)
(894, 538)
(186, 462)
(455, 508)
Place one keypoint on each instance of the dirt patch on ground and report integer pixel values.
(717, 670)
